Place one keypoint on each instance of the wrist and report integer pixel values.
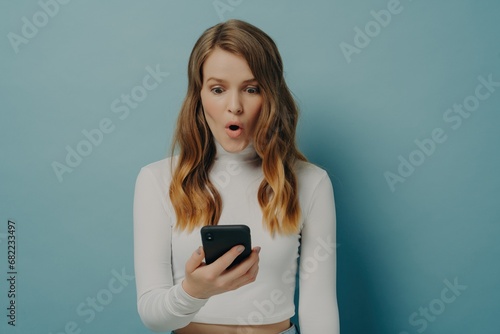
(188, 289)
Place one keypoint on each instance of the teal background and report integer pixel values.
(396, 248)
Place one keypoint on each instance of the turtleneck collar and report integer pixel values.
(245, 155)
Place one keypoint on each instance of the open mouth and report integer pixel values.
(234, 130)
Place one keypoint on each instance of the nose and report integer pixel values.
(234, 104)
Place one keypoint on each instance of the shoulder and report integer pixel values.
(159, 171)
(309, 174)
(161, 166)
(313, 182)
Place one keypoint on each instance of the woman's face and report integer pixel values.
(231, 99)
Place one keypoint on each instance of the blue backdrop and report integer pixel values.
(399, 102)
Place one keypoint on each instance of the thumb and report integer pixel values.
(195, 260)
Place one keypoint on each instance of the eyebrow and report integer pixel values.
(223, 81)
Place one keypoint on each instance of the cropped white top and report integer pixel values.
(160, 252)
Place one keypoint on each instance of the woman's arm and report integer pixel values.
(318, 310)
(162, 305)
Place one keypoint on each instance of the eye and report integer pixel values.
(217, 90)
(253, 90)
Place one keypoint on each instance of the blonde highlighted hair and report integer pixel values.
(195, 199)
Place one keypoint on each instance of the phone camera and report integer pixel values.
(209, 237)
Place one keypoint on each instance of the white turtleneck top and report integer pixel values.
(160, 252)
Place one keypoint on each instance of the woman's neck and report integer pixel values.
(248, 154)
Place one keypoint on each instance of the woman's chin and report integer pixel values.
(234, 145)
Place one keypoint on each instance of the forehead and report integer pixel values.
(226, 66)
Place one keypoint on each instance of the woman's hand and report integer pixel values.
(203, 281)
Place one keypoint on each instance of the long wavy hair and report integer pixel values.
(195, 199)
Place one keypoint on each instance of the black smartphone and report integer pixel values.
(218, 239)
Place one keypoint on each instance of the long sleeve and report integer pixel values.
(162, 305)
(318, 310)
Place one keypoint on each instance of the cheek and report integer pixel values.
(256, 108)
(209, 107)
(255, 113)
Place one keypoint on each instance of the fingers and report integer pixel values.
(251, 274)
(244, 273)
(203, 281)
(244, 267)
(195, 260)
(225, 260)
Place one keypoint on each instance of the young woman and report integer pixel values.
(238, 164)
